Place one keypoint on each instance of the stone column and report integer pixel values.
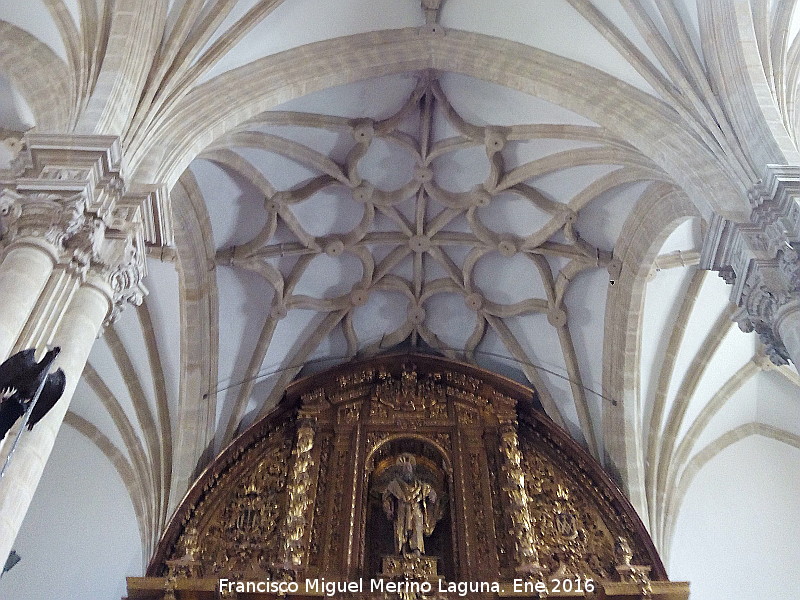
(787, 323)
(24, 271)
(70, 194)
(76, 334)
(760, 259)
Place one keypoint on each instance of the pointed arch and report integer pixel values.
(216, 107)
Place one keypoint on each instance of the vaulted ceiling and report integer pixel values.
(522, 185)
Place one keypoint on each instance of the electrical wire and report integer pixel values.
(261, 375)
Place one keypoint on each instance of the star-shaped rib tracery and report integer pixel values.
(426, 228)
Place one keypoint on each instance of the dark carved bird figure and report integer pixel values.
(20, 378)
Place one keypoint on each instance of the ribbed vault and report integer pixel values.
(469, 184)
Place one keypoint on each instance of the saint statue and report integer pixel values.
(411, 504)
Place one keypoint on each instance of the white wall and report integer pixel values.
(79, 538)
(737, 533)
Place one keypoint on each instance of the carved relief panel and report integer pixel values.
(234, 526)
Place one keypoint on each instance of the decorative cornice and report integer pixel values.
(760, 258)
(68, 195)
(156, 215)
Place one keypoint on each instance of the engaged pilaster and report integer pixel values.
(760, 260)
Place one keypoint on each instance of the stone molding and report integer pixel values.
(759, 259)
(68, 197)
(431, 9)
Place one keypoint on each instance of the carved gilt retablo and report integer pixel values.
(407, 468)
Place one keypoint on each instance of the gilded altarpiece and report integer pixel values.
(502, 494)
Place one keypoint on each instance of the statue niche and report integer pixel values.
(408, 514)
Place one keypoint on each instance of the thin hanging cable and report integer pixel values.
(269, 373)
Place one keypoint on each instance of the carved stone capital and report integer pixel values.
(770, 287)
(69, 197)
(760, 258)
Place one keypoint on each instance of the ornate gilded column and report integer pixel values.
(67, 204)
(522, 533)
(760, 261)
(300, 500)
